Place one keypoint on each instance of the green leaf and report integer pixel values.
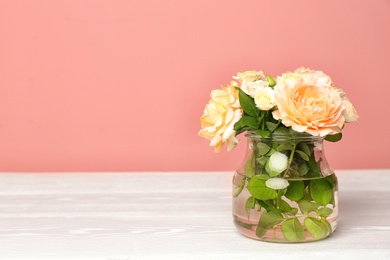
(271, 152)
(305, 148)
(267, 221)
(262, 160)
(332, 179)
(321, 191)
(285, 146)
(317, 228)
(265, 205)
(293, 211)
(263, 177)
(249, 204)
(250, 167)
(327, 224)
(314, 167)
(295, 190)
(247, 104)
(281, 130)
(237, 126)
(307, 206)
(303, 155)
(263, 148)
(271, 126)
(257, 189)
(324, 212)
(293, 230)
(263, 133)
(334, 138)
(303, 169)
(250, 121)
(284, 206)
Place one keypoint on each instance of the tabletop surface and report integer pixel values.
(171, 215)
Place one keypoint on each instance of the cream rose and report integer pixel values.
(251, 88)
(349, 113)
(249, 76)
(264, 98)
(307, 102)
(250, 80)
(219, 117)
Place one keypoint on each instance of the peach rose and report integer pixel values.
(315, 77)
(219, 117)
(307, 102)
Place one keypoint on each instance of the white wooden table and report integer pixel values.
(177, 215)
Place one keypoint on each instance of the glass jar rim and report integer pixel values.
(285, 136)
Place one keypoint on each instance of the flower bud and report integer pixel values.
(276, 183)
(271, 81)
(276, 164)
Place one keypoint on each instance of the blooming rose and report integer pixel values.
(264, 98)
(349, 112)
(307, 102)
(250, 80)
(314, 76)
(219, 117)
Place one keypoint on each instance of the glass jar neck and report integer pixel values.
(298, 137)
(304, 154)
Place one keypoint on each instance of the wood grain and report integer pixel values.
(170, 215)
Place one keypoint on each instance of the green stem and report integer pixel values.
(290, 159)
(278, 199)
(262, 127)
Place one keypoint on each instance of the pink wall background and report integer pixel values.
(116, 85)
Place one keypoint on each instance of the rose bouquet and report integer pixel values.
(304, 100)
(285, 190)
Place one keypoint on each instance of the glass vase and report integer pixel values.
(285, 190)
